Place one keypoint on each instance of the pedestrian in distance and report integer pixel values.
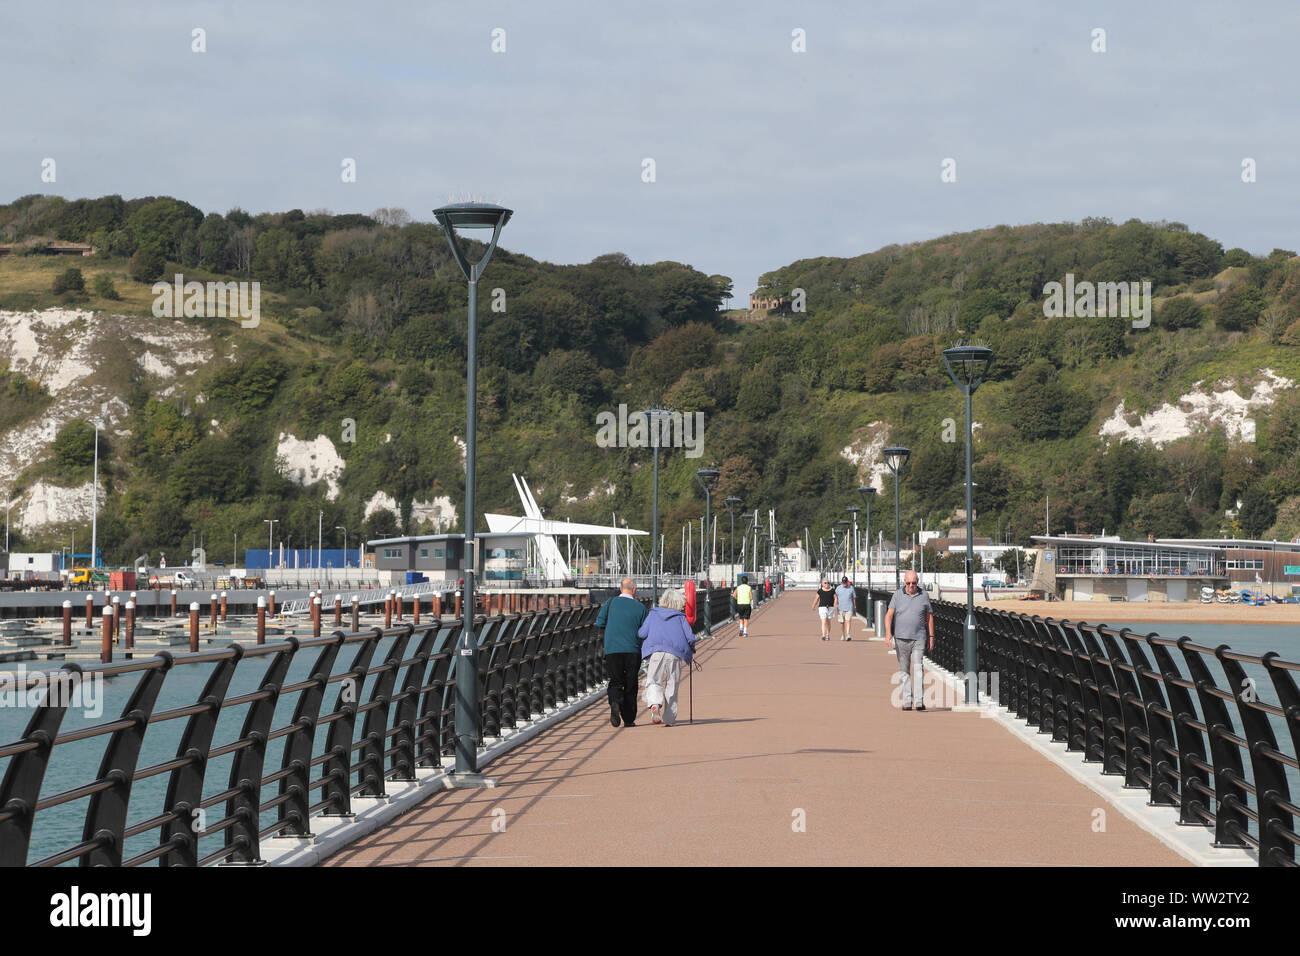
(846, 599)
(824, 605)
(621, 618)
(907, 623)
(669, 642)
(743, 595)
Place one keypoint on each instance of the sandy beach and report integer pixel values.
(1095, 612)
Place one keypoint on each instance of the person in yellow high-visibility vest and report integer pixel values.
(743, 595)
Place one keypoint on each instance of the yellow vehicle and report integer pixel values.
(80, 576)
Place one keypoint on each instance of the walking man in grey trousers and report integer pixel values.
(907, 623)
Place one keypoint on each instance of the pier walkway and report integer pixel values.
(796, 756)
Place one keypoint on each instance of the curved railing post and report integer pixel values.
(185, 785)
(21, 787)
(406, 713)
(337, 790)
(243, 840)
(106, 815)
(1160, 730)
(1230, 820)
(371, 757)
(294, 811)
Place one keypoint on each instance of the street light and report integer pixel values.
(732, 503)
(843, 525)
(707, 477)
(853, 510)
(270, 539)
(339, 527)
(470, 215)
(896, 460)
(94, 496)
(967, 365)
(654, 416)
(869, 495)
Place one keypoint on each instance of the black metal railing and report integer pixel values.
(1159, 711)
(393, 712)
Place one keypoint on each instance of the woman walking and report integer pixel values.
(669, 641)
(824, 605)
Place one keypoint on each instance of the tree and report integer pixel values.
(70, 280)
(1180, 312)
(1238, 309)
(104, 288)
(1257, 512)
(147, 266)
(74, 448)
(1163, 515)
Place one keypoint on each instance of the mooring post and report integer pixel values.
(261, 620)
(129, 642)
(270, 603)
(173, 610)
(315, 616)
(212, 606)
(356, 614)
(106, 639)
(67, 623)
(90, 614)
(194, 627)
(338, 609)
(223, 607)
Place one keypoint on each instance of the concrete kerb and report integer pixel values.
(332, 834)
(1193, 843)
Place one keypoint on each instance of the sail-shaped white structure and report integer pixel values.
(544, 530)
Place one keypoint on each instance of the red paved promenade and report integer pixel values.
(788, 729)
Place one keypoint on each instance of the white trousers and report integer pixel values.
(662, 674)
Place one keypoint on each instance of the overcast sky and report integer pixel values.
(762, 155)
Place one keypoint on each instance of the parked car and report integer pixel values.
(183, 579)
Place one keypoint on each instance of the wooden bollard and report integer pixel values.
(223, 607)
(212, 606)
(194, 627)
(270, 603)
(261, 620)
(67, 623)
(90, 614)
(436, 610)
(338, 609)
(456, 611)
(173, 610)
(415, 608)
(117, 617)
(356, 614)
(388, 610)
(129, 641)
(397, 605)
(106, 638)
(315, 617)
(134, 599)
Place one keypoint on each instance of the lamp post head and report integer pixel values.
(707, 477)
(732, 503)
(967, 365)
(472, 215)
(867, 492)
(853, 510)
(896, 458)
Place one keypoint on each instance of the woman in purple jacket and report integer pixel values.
(669, 641)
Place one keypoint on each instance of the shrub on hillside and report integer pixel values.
(1181, 312)
(70, 280)
(104, 288)
(1238, 309)
(147, 265)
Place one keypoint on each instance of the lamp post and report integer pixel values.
(843, 525)
(853, 510)
(470, 215)
(707, 477)
(339, 527)
(896, 460)
(732, 503)
(967, 365)
(654, 417)
(270, 538)
(94, 498)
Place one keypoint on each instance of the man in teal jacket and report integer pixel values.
(621, 617)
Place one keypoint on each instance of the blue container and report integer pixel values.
(415, 577)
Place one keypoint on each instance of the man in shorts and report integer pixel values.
(743, 595)
(845, 599)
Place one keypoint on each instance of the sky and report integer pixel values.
(777, 131)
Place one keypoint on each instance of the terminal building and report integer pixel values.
(1093, 568)
(502, 556)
